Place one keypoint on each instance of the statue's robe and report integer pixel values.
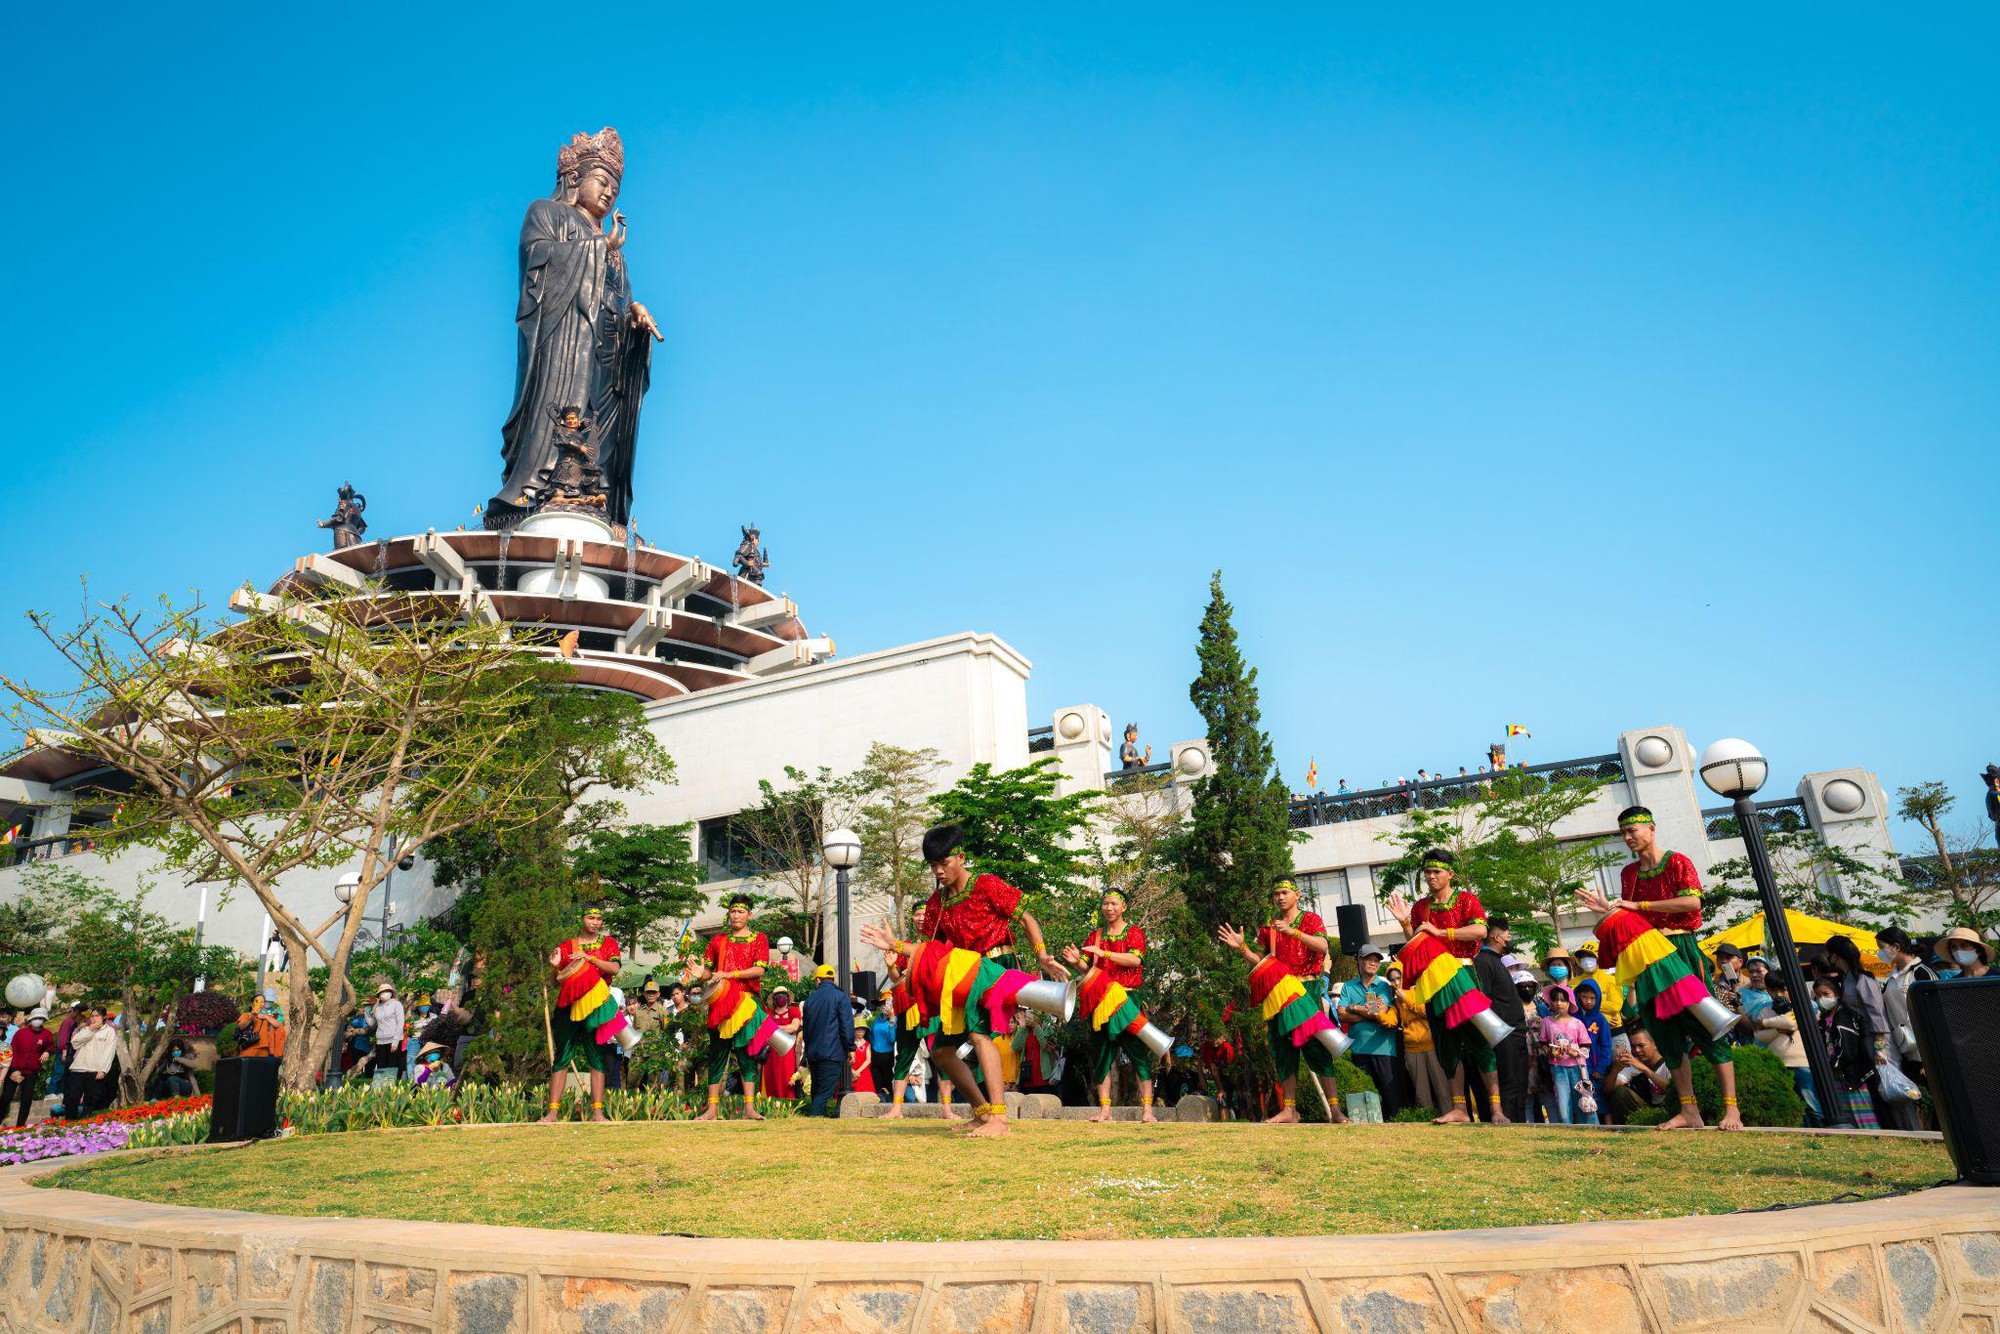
(576, 348)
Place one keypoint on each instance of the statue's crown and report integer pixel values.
(603, 149)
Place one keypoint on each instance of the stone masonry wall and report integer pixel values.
(76, 1262)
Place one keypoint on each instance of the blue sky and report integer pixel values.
(1569, 368)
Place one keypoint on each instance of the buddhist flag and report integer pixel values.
(12, 834)
(1516, 729)
(118, 814)
(1312, 773)
(567, 644)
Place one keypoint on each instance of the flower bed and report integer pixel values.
(144, 1125)
(366, 1106)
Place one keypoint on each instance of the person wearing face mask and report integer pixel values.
(1859, 992)
(1905, 966)
(1727, 983)
(1968, 955)
(1610, 996)
(1849, 1050)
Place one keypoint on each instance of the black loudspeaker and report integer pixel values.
(1958, 1037)
(1353, 921)
(246, 1099)
(865, 985)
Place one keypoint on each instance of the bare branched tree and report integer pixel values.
(320, 730)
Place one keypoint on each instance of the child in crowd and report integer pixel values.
(1567, 1043)
(1597, 1064)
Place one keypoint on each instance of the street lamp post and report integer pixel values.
(843, 852)
(1735, 769)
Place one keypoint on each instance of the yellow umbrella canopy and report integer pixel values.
(1748, 934)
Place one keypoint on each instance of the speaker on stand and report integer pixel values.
(1352, 921)
(1958, 1037)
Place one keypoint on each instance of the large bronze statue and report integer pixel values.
(752, 559)
(347, 523)
(583, 341)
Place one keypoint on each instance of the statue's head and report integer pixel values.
(588, 171)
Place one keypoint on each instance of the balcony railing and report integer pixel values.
(1117, 776)
(1775, 817)
(1041, 740)
(1324, 808)
(46, 849)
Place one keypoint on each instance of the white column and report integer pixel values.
(1660, 775)
(1083, 748)
(1849, 810)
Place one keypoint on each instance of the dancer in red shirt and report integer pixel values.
(1118, 949)
(1665, 889)
(1297, 940)
(977, 913)
(1458, 919)
(736, 954)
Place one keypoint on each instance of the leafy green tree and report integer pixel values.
(323, 728)
(647, 876)
(1019, 829)
(1962, 881)
(1813, 877)
(895, 786)
(1529, 863)
(113, 948)
(781, 836)
(1238, 838)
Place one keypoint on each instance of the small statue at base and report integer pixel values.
(347, 523)
(752, 560)
(575, 482)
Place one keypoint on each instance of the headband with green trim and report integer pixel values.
(1439, 866)
(1285, 884)
(1630, 820)
(1118, 894)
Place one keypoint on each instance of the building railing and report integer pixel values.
(1775, 817)
(1041, 740)
(1116, 776)
(45, 849)
(1324, 808)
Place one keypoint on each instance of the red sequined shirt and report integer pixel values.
(1674, 878)
(1132, 942)
(982, 919)
(729, 954)
(1292, 952)
(1463, 908)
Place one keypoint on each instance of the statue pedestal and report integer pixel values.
(575, 583)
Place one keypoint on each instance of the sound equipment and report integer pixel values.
(246, 1099)
(1352, 919)
(1958, 1037)
(866, 986)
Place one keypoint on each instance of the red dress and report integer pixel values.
(980, 920)
(776, 1081)
(1463, 908)
(1674, 878)
(1133, 941)
(727, 954)
(864, 1074)
(1298, 960)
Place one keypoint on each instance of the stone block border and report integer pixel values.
(71, 1262)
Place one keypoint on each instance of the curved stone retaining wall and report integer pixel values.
(78, 1262)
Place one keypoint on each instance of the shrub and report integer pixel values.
(1648, 1116)
(1415, 1115)
(1350, 1078)
(206, 1011)
(1765, 1094)
(1347, 1078)
(227, 1042)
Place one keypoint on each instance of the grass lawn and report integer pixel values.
(875, 1181)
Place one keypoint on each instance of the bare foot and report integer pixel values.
(993, 1127)
(1103, 1115)
(708, 1115)
(1500, 1120)
(1731, 1120)
(600, 1116)
(549, 1120)
(1288, 1117)
(751, 1113)
(1454, 1117)
(895, 1112)
(1686, 1119)
(1146, 1117)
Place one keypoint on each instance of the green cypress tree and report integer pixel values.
(1238, 839)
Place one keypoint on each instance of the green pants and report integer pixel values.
(1285, 1056)
(1102, 1050)
(576, 1045)
(720, 1051)
(910, 1041)
(1683, 1033)
(1462, 1045)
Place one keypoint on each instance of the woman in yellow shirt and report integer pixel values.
(1420, 1050)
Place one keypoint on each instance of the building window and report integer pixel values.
(1325, 890)
(723, 855)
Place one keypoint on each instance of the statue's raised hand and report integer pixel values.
(643, 319)
(617, 234)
